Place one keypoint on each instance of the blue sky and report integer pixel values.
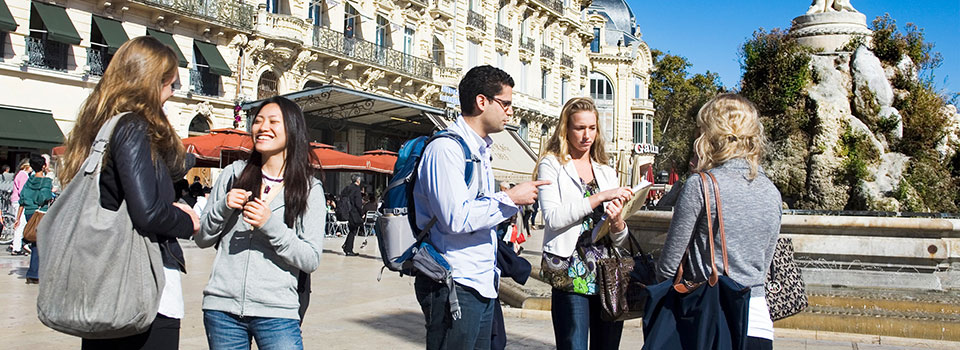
(709, 33)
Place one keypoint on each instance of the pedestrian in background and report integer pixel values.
(36, 195)
(584, 189)
(17, 246)
(143, 156)
(730, 146)
(350, 209)
(268, 229)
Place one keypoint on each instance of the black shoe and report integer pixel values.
(350, 254)
(33, 280)
(18, 252)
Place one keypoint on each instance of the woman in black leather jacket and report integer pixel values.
(143, 156)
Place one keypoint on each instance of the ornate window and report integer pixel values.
(595, 44)
(524, 130)
(602, 92)
(267, 86)
(199, 125)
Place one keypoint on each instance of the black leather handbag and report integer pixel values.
(786, 292)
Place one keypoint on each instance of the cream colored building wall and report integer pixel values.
(63, 92)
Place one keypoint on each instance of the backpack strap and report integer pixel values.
(469, 158)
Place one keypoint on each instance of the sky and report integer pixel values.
(709, 33)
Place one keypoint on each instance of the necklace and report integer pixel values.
(270, 181)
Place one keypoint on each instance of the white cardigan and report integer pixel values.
(563, 205)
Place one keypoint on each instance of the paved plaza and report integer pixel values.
(349, 309)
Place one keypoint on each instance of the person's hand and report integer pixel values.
(525, 193)
(622, 193)
(614, 212)
(236, 198)
(191, 213)
(256, 213)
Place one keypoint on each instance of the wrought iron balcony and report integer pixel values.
(555, 5)
(234, 14)
(46, 54)
(97, 60)
(547, 52)
(476, 20)
(202, 82)
(566, 61)
(337, 44)
(504, 33)
(527, 44)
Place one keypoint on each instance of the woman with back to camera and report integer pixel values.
(730, 146)
(583, 189)
(266, 216)
(143, 156)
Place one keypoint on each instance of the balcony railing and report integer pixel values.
(566, 61)
(335, 43)
(97, 60)
(46, 54)
(527, 44)
(555, 5)
(547, 52)
(476, 20)
(504, 33)
(202, 82)
(234, 14)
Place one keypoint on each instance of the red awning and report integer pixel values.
(381, 161)
(220, 147)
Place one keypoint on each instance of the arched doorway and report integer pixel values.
(199, 125)
(267, 85)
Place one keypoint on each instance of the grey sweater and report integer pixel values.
(255, 271)
(751, 216)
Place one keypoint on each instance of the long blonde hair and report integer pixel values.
(131, 83)
(729, 128)
(558, 145)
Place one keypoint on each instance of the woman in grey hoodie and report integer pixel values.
(266, 217)
(730, 146)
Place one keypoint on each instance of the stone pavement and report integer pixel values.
(349, 309)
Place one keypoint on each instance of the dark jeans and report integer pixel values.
(577, 316)
(164, 333)
(348, 244)
(34, 270)
(471, 331)
(754, 343)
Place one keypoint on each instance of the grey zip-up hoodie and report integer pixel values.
(255, 271)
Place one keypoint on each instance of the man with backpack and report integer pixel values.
(462, 216)
(349, 209)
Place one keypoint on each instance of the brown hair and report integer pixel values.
(131, 83)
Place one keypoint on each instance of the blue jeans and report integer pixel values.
(34, 270)
(226, 331)
(471, 331)
(577, 316)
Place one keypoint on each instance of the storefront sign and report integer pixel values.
(450, 95)
(645, 148)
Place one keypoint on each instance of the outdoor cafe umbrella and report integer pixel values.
(220, 147)
(381, 161)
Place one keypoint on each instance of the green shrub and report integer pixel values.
(776, 73)
(889, 45)
(924, 124)
(932, 182)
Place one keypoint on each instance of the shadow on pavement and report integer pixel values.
(409, 327)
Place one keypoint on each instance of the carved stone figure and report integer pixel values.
(821, 6)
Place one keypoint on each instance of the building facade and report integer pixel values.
(380, 71)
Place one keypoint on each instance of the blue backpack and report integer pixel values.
(397, 229)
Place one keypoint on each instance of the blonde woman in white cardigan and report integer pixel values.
(583, 189)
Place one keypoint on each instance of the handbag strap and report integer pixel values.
(99, 147)
(723, 236)
(678, 284)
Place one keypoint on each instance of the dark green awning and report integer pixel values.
(167, 39)
(59, 27)
(7, 24)
(212, 55)
(112, 32)
(28, 128)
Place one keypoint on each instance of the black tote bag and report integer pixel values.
(704, 315)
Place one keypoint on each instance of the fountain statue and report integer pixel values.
(829, 25)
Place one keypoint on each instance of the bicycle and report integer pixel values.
(9, 218)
